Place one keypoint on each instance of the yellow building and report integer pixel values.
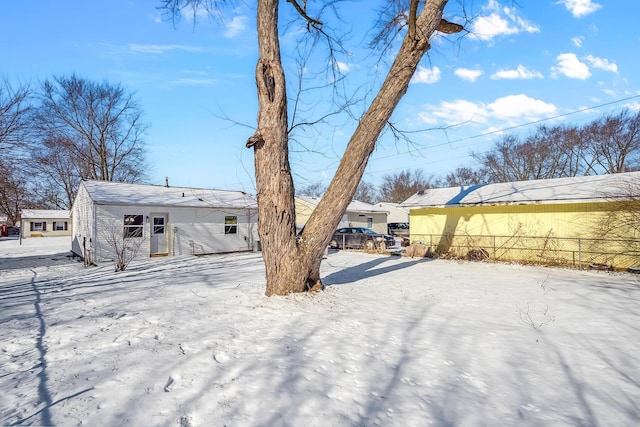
(45, 223)
(552, 221)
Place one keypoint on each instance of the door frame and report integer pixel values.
(152, 216)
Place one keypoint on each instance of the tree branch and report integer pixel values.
(311, 22)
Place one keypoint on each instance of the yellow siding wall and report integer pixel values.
(565, 220)
(552, 234)
(303, 212)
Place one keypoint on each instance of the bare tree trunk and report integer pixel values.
(292, 266)
(276, 205)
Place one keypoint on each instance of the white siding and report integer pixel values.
(357, 219)
(189, 230)
(82, 220)
(396, 212)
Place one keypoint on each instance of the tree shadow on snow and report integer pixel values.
(36, 261)
(371, 268)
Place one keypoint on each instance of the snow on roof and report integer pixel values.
(544, 191)
(120, 193)
(44, 214)
(354, 206)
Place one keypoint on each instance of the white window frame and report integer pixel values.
(134, 228)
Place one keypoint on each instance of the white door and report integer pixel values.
(159, 241)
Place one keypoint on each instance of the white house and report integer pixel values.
(161, 220)
(358, 214)
(397, 212)
(45, 223)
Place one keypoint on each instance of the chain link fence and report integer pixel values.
(580, 253)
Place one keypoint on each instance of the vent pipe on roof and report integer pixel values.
(166, 181)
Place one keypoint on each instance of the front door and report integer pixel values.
(159, 241)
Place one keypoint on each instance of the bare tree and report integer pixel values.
(96, 128)
(610, 144)
(615, 142)
(292, 264)
(58, 172)
(14, 118)
(312, 190)
(621, 220)
(15, 109)
(14, 191)
(366, 192)
(545, 153)
(124, 243)
(463, 176)
(398, 187)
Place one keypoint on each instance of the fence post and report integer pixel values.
(579, 254)
(494, 248)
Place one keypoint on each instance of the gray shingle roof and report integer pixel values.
(119, 193)
(545, 191)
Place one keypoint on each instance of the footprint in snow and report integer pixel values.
(221, 357)
(171, 383)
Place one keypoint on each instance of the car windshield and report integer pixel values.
(367, 231)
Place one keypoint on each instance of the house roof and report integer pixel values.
(120, 193)
(597, 188)
(44, 214)
(355, 205)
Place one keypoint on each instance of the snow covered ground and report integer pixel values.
(392, 341)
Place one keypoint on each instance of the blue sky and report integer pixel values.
(522, 62)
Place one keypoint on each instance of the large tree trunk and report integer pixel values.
(293, 266)
(276, 206)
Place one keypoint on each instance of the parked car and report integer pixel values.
(359, 238)
(398, 229)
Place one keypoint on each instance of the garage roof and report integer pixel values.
(597, 188)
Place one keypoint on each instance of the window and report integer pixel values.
(158, 225)
(60, 225)
(38, 226)
(369, 221)
(133, 226)
(230, 225)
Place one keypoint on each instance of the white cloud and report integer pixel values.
(499, 21)
(577, 41)
(343, 67)
(602, 64)
(570, 66)
(633, 106)
(426, 75)
(454, 112)
(236, 26)
(467, 74)
(521, 73)
(504, 111)
(196, 81)
(520, 106)
(161, 49)
(580, 8)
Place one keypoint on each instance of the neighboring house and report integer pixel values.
(45, 223)
(161, 220)
(542, 217)
(397, 212)
(358, 214)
